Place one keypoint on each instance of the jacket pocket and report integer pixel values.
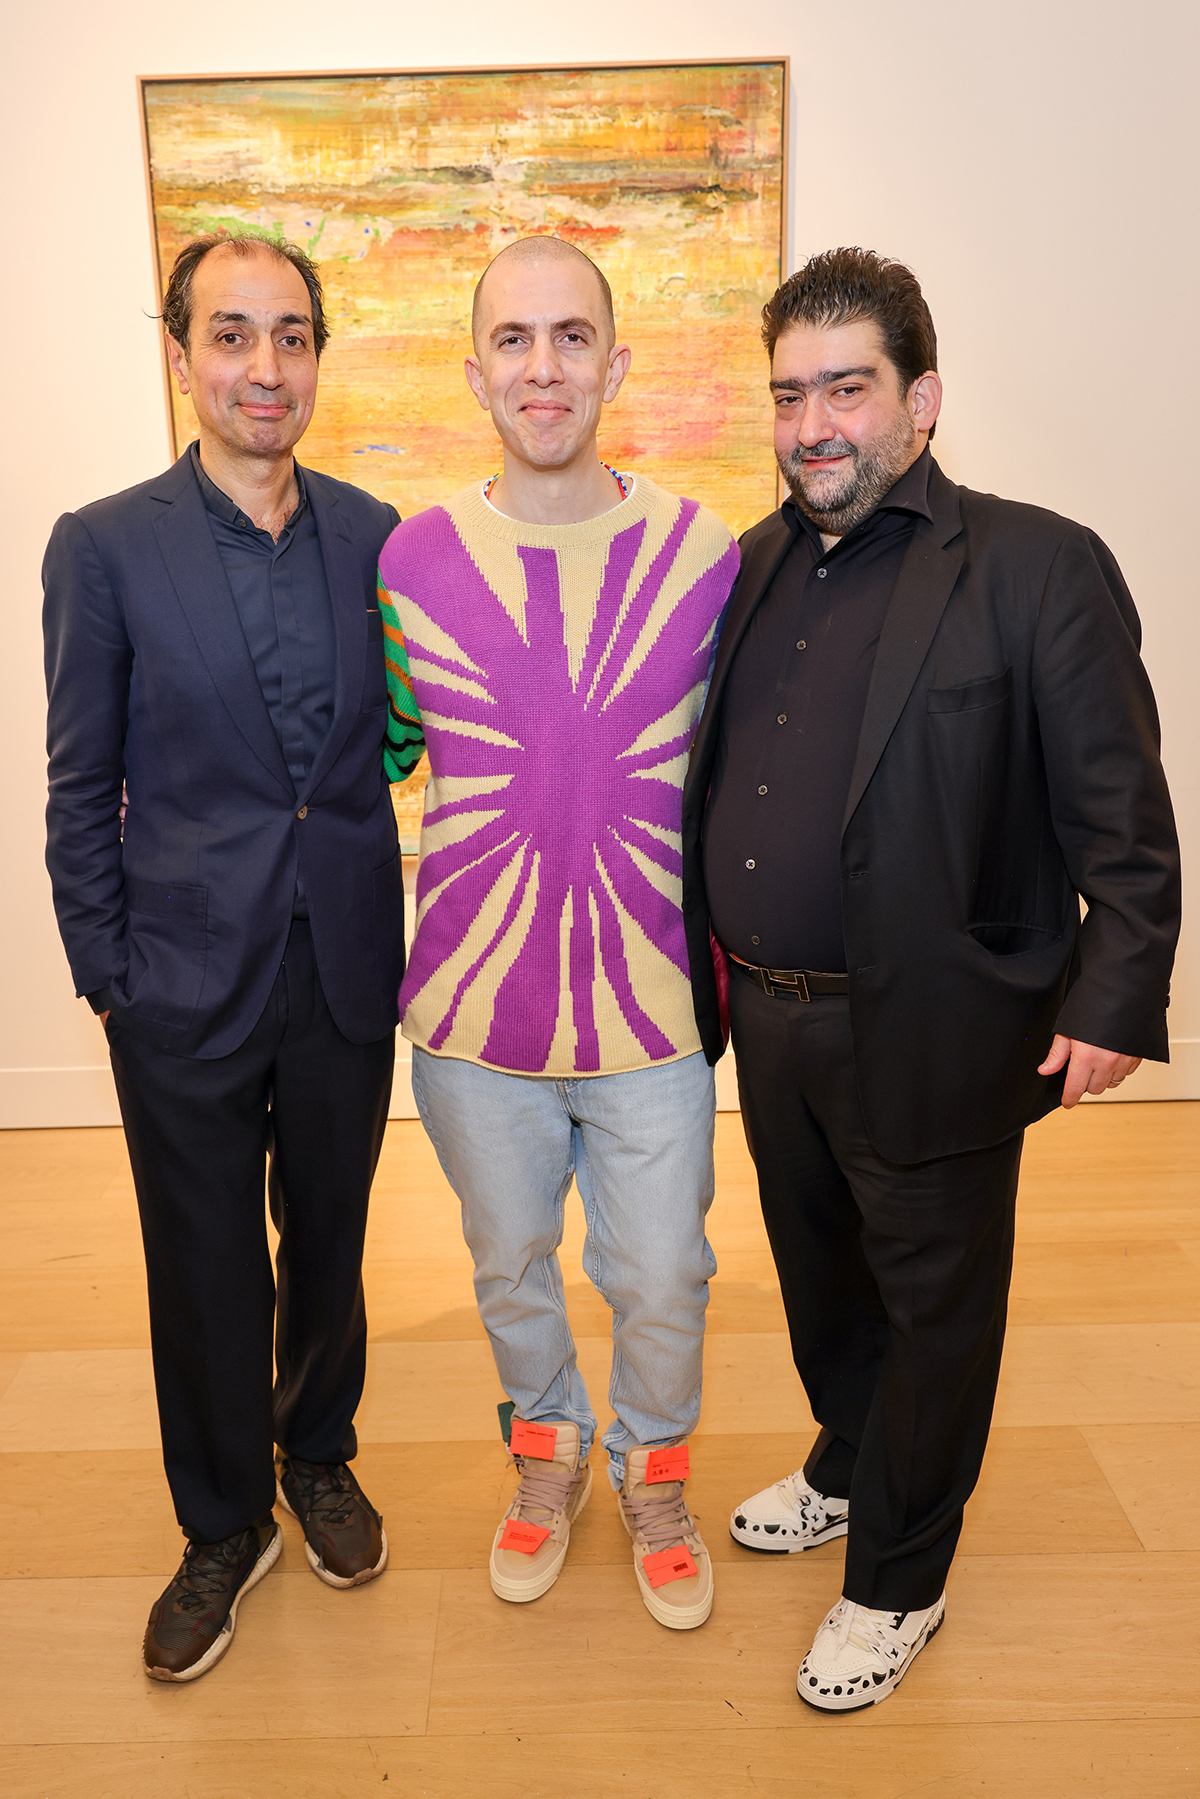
(168, 950)
(1012, 939)
(163, 899)
(972, 695)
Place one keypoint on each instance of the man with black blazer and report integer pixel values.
(226, 874)
(928, 733)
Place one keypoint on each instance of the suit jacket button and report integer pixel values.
(303, 812)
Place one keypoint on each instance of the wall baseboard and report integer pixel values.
(39, 1099)
(403, 1104)
(60, 1098)
(1177, 1079)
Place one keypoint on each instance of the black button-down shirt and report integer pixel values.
(281, 594)
(790, 723)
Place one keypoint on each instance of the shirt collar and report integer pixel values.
(909, 494)
(220, 504)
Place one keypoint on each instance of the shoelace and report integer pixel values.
(326, 1492)
(799, 1493)
(203, 1579)
(867, 1629)
(661, 1518)
(812, 1506)
(544, 1490)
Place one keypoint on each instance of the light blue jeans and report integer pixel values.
(640, 1147)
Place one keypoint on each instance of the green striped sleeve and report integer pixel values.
(405, 739)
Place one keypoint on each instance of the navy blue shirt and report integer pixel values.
(790, 722)
(281, 594)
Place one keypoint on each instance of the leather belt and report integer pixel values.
(792, 983)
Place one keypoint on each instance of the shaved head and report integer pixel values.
(544, 249)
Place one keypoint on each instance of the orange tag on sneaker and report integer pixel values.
(527, 1538)
(536, 1440)
(667, 1565)
(667, 1464)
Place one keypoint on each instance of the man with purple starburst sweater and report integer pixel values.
(551, 633)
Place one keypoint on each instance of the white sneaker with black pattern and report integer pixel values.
(859, 1656)
(789, 1517)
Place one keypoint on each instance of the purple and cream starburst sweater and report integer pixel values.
(558, 671)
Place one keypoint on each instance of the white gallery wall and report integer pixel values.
(1035, 163)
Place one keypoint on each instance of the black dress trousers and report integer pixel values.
(895, 1282)
(300, 1100)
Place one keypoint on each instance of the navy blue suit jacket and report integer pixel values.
(184, 914)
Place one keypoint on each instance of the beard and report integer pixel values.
(836, 501)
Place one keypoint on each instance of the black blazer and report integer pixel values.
(1008, 762)
(185, 914)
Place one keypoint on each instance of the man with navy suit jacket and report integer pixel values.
(214, 652)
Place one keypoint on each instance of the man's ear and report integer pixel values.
(474, 374)
(619, 358)
(177, 357)
(924, 400)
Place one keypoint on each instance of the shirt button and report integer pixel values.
(762, 790)
(802, 645)
(782, 719)
(750, 864)
(303, 812)
(754, 939)
(821, 573)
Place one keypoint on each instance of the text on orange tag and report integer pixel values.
(667, 1464)
(527, 1538)
(668, 1564)
(536, 1440)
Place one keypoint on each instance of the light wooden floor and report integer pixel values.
(1069, 1659)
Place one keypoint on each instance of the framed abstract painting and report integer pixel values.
(404, 184)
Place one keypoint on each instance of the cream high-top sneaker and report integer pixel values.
(669, 1558)
(530, 1546)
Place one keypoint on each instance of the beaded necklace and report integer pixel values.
(624, 482)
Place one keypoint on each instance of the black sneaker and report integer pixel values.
(344, 1538)
(191, 1624)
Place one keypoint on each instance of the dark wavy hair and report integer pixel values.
(177, 301)
(840, 287)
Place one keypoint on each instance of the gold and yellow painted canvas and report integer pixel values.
(403, 186)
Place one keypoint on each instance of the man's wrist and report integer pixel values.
(100, 1001)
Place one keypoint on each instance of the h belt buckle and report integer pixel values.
(790, 979)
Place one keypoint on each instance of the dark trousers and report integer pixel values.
(895, 1282)
(301, 1097)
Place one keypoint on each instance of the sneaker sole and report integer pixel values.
(520, 1592)
(675, 1617)
(317, 1565)
(832, 1703)
(211, 1657)
(793, 1548)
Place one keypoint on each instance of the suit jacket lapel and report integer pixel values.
(193, 565)
(754, 577)
(927, 575)
(343, 576)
